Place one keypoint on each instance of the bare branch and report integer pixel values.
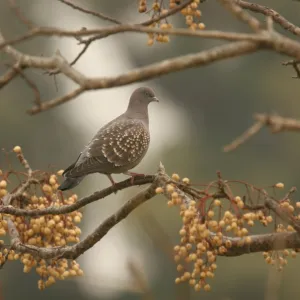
(7, 77)
(284, 23)
(31, 84)
(153, 70)
(233, 6)
(20, 15)
(274, 122)
(254, 129)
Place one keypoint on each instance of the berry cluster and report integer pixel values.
(41, 231)
(211, 224)
(191, 13)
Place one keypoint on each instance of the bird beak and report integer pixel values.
(155, 99)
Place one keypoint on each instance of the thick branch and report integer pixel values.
(264, 243)
(155, 70)
(52, 210)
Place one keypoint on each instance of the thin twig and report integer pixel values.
(234, 7)
(90, 12)
(254, 129)
(20, 15)
(274, 122)
(282, 214)
(7, 77)
(31, 84)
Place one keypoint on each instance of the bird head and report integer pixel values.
(140, 99)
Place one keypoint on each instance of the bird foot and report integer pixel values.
(113, 183)
(133, 175)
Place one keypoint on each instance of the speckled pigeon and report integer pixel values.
(119, 146)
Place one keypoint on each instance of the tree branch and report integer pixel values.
(150, 71)
(284, 23)
(264, 243)
(72, 252)
(274, 122)
(52, 210)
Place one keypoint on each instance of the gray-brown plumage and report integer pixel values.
(119, 146)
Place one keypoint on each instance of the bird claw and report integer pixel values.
(133, 175)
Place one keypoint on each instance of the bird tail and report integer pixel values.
(70, 183)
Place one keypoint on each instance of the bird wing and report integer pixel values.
(119, 143)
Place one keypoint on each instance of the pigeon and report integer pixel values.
(118, 147)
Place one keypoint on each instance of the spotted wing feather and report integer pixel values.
(116, 148)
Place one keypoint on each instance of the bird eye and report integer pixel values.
(148, 94)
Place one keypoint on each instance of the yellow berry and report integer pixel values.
(150, 42)
(175, 177)
(248, 240)
(279, 185)
(186, 180)
(142, 8)
(201, 26)
(3, 184)
(3, 192)
(210, 213)
(77, 219)
(159, 190)
(269, 219)
(240, 204)
(60, 172)
(17, 149)
(177, 280)
(217, 202)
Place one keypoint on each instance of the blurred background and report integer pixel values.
(200, 111)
